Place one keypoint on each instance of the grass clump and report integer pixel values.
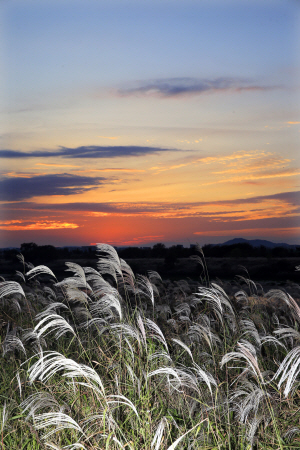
(107, 360)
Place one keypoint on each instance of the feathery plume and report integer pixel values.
(39, 270)
(10, 287)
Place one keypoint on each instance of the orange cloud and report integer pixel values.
(23, 174)
(137, 240)
(293, 123)
(17, 225)
(55, 165)
(262, 162)
(109, 137)
(110, 169)
(249, 178)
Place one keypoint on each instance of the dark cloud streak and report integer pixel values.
(87, 151)
(20, 188)
(175, 87)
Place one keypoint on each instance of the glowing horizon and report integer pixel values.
(132, 124)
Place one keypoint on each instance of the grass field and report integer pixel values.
(105, 359)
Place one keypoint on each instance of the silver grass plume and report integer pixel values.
(169, 371)
(91, 424)
(37, 402)
(216, 297)
(245, 351)
(10, 287)
(147, 288)
(135, 380)
(38, 271)
(3, 417)
(122, 330)
(276, 293)
(121, 400)
(202, 331)
(183, 309)
(288, 334)
(273, 341)
(157, 438)
(172, 323)
(96, 323)
(12, 343)
(21, 275)
(75, 446)
(252, 428)
(58, 420)
(156, 332)
(50, 292)
(111, 263)
(289, 370)
(19, 383)
(110, 300)
(162, 357)
(154, 276)
(140, 324)
(247, 399)
(185, 347)
(77, 269)
(50, 308)
(76, 295)
(204, 375)
(36, 342)
(55, 323)
(249, 330)
(74, 282)
(50, 363)
(128, 277)
(174, 445)
(249, 283)
(291, 432)
(185, 378)
(241, 296)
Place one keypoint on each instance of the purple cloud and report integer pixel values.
(174, 87)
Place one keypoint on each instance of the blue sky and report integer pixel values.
(184, 81)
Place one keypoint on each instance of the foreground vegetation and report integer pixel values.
(107, 360)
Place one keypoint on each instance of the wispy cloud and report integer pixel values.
(237, 162)
(187, 86)
(87, 151)
(21, 188)
(251, 179)
(286, 203)
(252, 232)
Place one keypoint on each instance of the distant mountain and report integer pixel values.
(257, 243)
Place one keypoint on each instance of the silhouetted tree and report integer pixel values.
(159, 250)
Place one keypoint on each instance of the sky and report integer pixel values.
(135, 122)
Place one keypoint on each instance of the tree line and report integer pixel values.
(42, 253)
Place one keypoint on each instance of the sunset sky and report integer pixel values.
(137, 122)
